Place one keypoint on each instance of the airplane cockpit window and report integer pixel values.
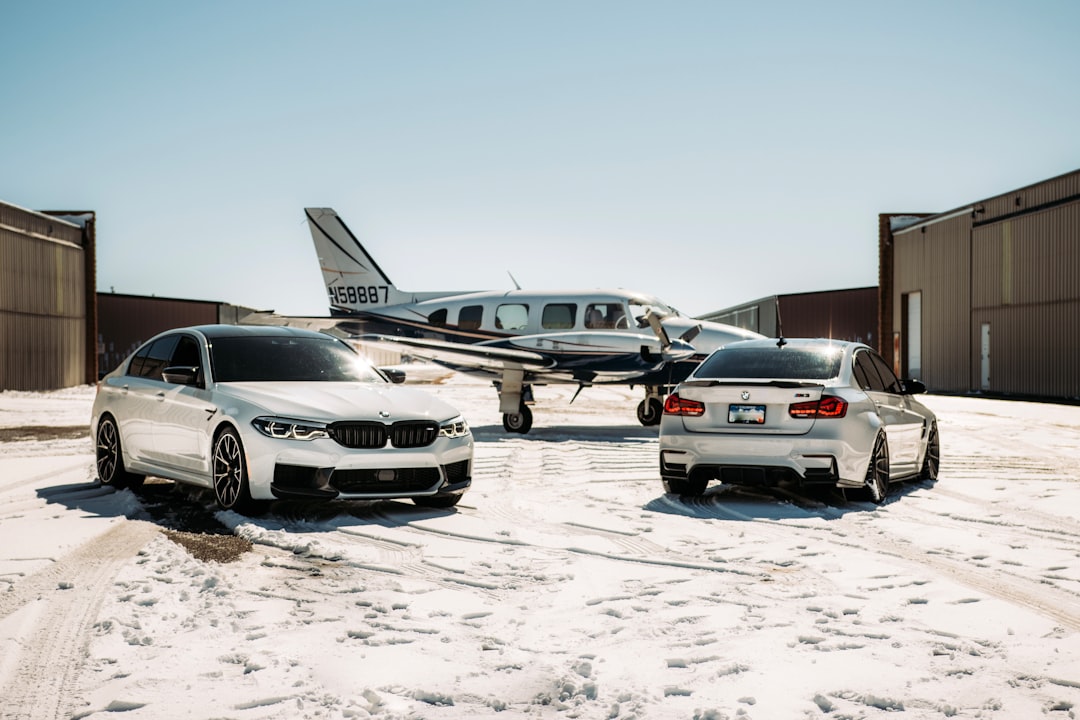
(640, 306)
(437, 318)
(605, 316)
(558, 316)
(512, 317)
(469, 317)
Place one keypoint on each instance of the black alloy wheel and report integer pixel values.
(932, 460)
(877, 472)
(110, 458)
(230, 473)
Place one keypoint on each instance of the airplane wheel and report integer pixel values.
(649, 411)
(519, 422)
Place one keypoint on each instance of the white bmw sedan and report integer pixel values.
(811, 412)
(257, 413)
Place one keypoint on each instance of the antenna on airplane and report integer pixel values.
(514, 279)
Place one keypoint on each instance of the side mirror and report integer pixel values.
(181, 375)
(393, 375)
(914, 387)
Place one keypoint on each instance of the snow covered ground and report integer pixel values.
(566, 584)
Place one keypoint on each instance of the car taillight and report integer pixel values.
(828, 406)
(675, 405)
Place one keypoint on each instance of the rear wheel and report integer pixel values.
(649, 411)
(231, 489)
(933, 455)
(685, 486)
(877, 472)
(110, 457)
(519, 422)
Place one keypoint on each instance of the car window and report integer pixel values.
(892, 384)
(558, 316)
(775, 363)
(866, 374)
(288, 359)
(186, 353)
(512, 317)
(157, 359)
(135, 366)
(470, 317)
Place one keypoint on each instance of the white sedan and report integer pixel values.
(811, 412)
(257, 413)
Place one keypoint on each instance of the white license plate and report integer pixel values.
(746, 414)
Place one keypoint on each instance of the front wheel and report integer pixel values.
(649, 412)
(877, 472)
(519, 422)
(110, 458)
(231, 489)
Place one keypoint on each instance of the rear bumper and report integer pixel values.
(763, 461)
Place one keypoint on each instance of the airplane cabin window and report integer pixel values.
(605, 316)
(469, 317)
(437, 318)
(558, 316)
(512, 317)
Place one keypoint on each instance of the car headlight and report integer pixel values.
(286, 429)
(456, 428)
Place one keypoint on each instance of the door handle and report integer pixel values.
(161, 396)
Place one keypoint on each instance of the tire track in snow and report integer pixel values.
(66, 598)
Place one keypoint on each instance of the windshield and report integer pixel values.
(287, 359)
(640, 305)
(772, 363)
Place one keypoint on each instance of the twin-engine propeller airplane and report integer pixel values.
(518, 338)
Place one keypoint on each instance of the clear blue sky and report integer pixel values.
(710, 153)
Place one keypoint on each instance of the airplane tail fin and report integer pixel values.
(354, 281)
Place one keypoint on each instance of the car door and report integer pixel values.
(137, 408)
(182, 413)
(903, 426)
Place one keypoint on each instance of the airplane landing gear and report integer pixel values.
(651, 408)
(519, 422)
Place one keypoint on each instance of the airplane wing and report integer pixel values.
(477, 356)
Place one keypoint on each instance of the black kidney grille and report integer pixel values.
(360, 435)
(413, 434)
(373, 435)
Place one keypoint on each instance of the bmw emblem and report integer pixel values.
(384, 414)
(745, 395)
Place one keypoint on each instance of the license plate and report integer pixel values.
(746, 414)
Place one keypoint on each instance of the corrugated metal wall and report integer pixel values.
(42, 301)
(1026, 285)
(837, 314)
(1000, 284)
(934, 259)
(126, 321)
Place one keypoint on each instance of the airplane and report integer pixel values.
(518, 338)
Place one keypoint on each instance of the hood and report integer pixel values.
(333, 401)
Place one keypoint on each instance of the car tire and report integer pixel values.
(519, 422)
(649, 412)
(877, 472)
(437, 501)
(932, 459)
(685, 486)
(230, 475)
(110, 457)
